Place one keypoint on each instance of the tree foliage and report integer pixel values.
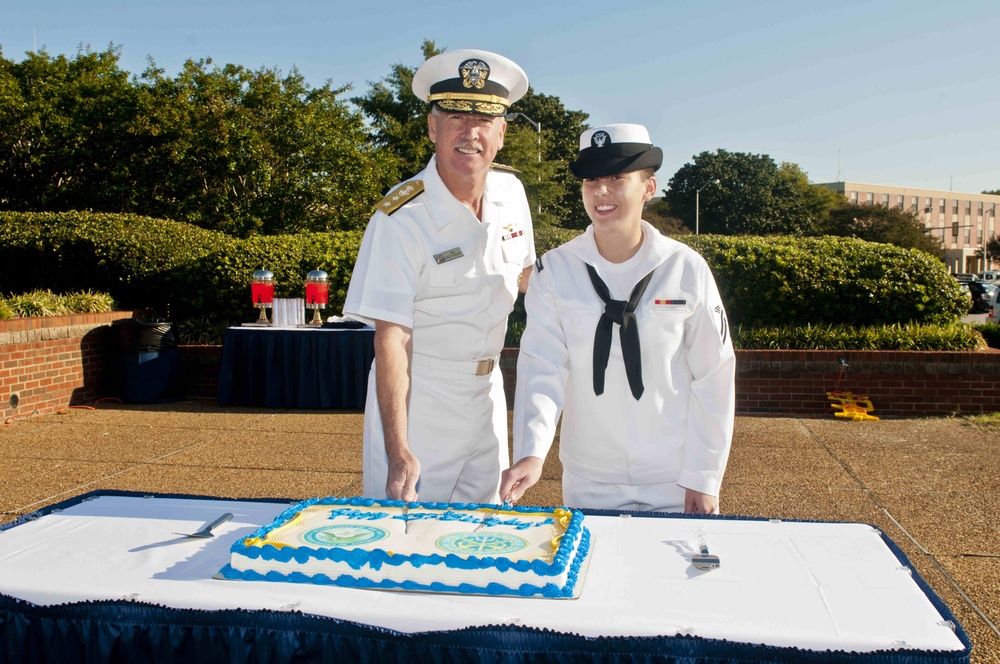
(878, 223)
(753, 196)
(227, 148)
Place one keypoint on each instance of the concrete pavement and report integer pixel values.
(931, 484)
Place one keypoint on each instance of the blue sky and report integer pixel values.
(904, 93)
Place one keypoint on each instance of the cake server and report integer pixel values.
(207, 530)
(703, 559)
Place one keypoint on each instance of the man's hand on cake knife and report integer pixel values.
(401, 480)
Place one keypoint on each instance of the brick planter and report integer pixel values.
(47, 364)
(54, 362)
(899, 383)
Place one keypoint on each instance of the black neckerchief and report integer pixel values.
(618, 311)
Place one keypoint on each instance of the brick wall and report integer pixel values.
(47, 364)
(201, 370)
(899, 383)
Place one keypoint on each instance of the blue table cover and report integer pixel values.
(295, 367)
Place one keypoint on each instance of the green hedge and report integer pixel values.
(193, 274)
(776, 281)
(956, 336)
(176, 269)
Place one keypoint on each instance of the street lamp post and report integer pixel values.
(986, 262)
(538, 127)
(697, 205)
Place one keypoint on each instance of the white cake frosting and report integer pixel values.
(429, 547)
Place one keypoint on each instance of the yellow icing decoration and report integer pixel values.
(555, 542)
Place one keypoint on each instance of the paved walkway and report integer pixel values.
(932, 485)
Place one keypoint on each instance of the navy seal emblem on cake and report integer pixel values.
(347, 535)
(481, 543)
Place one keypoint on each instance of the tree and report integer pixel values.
(993, 192)
(226, 148)
(878, 223)
(548, 182)
(398, 120)
(64, 132)
(255, 152)
(992, 250)
(658, 213)
(754, 196)
(813, 203)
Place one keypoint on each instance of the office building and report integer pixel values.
(963, 223)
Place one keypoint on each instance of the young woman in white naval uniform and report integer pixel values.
(627, 339)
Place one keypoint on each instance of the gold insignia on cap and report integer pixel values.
(398, 197)
(474, 73)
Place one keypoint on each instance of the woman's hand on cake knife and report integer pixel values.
(401, 481)
(519, 478)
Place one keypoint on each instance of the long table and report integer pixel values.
(107, 574)
(296, 367)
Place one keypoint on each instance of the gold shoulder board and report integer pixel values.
(399, 196)
(504, 167)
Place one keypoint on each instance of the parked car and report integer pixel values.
(993, 315)
(989, 276)
(980, 298)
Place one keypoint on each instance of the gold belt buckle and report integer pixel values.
(485, 367)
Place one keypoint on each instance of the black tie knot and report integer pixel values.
(614, 311)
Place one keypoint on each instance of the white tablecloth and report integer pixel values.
(808, 585)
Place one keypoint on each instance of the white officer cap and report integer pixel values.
(614, 149)
(470, 81)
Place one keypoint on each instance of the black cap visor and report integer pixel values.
(602, 162)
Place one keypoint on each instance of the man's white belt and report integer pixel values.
(467, 367)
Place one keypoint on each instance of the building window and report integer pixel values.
(854, 197)
(941, 205)
(979, 207)
(927, 205)
(913, 203)
(968, 207)
(885, 200)
(870, 198)
(954, 207)
(899, 202)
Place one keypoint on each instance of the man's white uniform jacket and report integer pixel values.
(433, 267)
(680, 430)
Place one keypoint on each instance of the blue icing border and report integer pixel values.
(549, 590)
(375, 559)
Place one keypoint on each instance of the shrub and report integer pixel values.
(774, 281)
(47, 303)
(177, 269)
(844, 337)
(990, 332)
(192, 274)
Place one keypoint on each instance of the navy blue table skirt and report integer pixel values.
(295, 367)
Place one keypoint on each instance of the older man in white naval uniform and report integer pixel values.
(438, 271)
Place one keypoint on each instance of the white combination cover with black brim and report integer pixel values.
(425, 547)
(680, 430)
